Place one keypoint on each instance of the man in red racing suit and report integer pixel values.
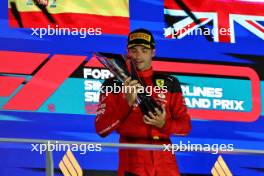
(118, 111)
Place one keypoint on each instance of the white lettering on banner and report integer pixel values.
(228, 104)
(92, 96)
(198, 102)
(97, 73)
(203, 92)
(209, 98)
(92, 87)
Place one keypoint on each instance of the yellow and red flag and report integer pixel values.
(112, 16)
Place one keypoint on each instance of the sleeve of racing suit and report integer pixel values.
(180, 123)
(112, 110)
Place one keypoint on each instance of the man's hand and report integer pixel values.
(158, 120)
(131, 87)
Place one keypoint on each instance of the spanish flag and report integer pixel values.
(112, 16)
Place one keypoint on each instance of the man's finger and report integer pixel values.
(149, 120)
(133, 89)
(131, 83)
(146, 121)
(127, 81)
(152, 115)
(135, 85)
(158, 111)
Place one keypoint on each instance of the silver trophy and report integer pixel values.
(117, 65)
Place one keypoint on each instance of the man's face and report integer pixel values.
(141, 56)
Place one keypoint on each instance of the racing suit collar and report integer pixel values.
(146, 73)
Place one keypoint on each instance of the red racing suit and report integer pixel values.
(113, 113)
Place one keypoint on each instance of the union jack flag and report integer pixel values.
(221, 14)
